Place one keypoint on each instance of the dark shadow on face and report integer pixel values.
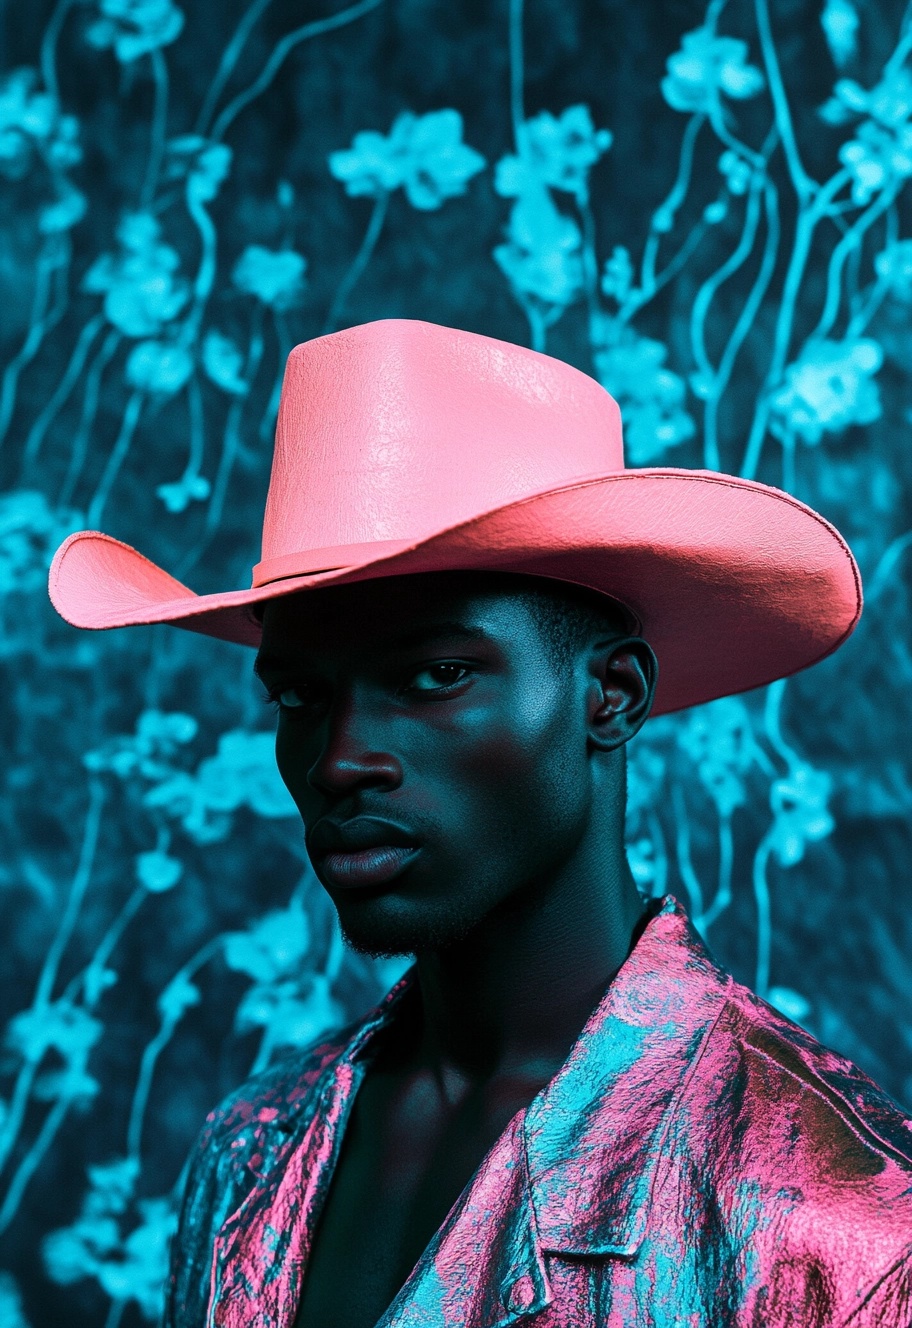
(433, 703)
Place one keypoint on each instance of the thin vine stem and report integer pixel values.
(48, 58)
(157, 1045)
(517, 72)
(230, 57)
(803, 184)
(359, 262)
(849, 242)
(807, 222)
(748, 313)
(61, 393)
(32, 1160)
(47, 977)
(42, 317)
(685, 859)
(723, 896)
(121, 447)
(159, 128)
(80, 884)
(764, 914)
(282, 50)
(80, 450)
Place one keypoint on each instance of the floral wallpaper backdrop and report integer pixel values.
(705, 207)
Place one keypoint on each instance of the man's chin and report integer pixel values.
(382, 934)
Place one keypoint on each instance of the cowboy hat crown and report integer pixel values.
(405, 447)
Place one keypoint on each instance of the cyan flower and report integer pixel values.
(178, 495)
(135, 27)
(33, 127)
(112, 1185)
(295, 1014)
(72, 1253)
(139, 1274)
(63, 213)
(129, 1267)
(736, 171)
(541, 258)
(650, 396)
(63, 1026)
(141, 288)
(558, 152)
(617, 277)
(801, 816)
(889, 102)
(719, 740)
(272, 947)
(179, 795)
(223, 363)
(274, 276)
(178, 997)
(12, 1313)
(422, 154)
(840, 21)
(157, 871)
(30, 531)
(706, 69)
(244, 773)
(828, 388)
(158, 367)
(790, 1003)
(202, 164)
(877, 158)
(147, 752)
(893, 266)
(73, 1084)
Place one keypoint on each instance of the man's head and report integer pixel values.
(482, 716)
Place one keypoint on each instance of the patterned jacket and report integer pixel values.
(698, 1160)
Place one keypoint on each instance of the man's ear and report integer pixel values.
(623, 674)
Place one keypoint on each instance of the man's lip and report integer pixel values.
(367, 867)
(356, 835)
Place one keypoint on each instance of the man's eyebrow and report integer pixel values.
(266, 661)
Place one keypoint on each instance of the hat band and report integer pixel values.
(332, 559)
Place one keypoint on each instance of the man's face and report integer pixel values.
(429, 705)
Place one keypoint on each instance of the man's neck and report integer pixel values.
(512, 998)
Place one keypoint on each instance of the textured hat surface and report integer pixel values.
(405, 447)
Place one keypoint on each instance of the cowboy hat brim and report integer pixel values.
(733, 583)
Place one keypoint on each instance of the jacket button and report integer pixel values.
(522, 1293)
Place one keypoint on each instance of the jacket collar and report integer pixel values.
(594, 1135)
(571, 1174)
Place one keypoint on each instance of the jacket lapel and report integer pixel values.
(595, 1134)
(284, 1168)
(484, 1268)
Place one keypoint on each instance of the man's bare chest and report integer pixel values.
(403, 1164)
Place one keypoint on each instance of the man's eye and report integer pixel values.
(291, 698)
(435, 677)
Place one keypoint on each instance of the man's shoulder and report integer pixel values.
(806, 1117)
(786, 1055)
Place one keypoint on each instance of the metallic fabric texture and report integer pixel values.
(698, 1160)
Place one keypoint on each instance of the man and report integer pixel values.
(565, 1112)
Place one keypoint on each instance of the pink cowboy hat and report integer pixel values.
(405, 447)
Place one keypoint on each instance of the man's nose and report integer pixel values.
(351, 752)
